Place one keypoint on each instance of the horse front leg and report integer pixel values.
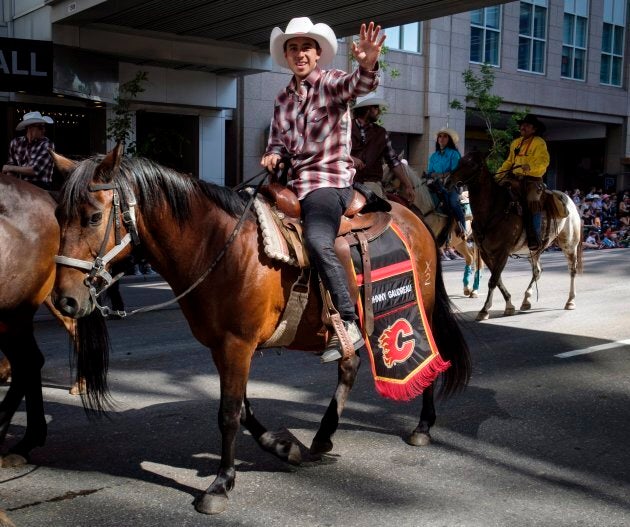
(233, 364)
(421, 436)
(468, 271)
(509, 307)
(536, 272)
(281, 444)
(495, 281)
(346, 375)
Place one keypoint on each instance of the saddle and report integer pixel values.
(365, 219)
(551, 201)
(367, 213)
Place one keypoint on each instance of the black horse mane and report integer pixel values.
(152, 184)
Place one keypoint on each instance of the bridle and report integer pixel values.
(123, 212)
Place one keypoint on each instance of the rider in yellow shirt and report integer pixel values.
(528, 161)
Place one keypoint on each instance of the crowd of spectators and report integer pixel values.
(605, 217)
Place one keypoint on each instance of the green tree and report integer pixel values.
(119, 126)
(482, 103)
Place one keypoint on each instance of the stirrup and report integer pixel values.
(333, 351)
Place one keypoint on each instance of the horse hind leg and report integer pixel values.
(421, 436)
(574, 259)
(347, 373)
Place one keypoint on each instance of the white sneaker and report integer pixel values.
(333, 351)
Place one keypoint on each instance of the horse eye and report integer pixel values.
(96, 218)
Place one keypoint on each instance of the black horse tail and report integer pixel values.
(449, 340)
(91, 346)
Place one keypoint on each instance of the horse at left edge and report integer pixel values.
(29, 240)
(187, 229)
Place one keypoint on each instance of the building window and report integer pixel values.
(611, 68)
(532, 38)
(485, 35)
(405, 38)
(575, 30)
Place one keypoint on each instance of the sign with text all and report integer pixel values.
(26, 65)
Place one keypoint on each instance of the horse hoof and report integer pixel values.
(509, 312)
(570, 305)
(295, 456)
(419, 439)
(474, 294)
(526, 307)
(211, 503)
(482, 316)
(78, 388)
(12, 460)
(320, 447)
(467, 291)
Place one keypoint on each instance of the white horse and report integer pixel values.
(442, 225)
(499, 230)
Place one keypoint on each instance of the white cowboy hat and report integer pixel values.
(31, 118)
(370, 100)
(450, 132)
(303, 27)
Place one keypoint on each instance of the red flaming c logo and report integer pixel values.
(394, 342)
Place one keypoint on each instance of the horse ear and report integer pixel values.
(110, 164)
(63, 164)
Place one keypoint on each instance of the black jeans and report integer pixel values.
(321, 215)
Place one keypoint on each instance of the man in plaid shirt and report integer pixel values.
(311, 126)
(29, 158)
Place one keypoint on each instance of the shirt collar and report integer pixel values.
(310, 80)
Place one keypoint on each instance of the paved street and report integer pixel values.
(539, 438)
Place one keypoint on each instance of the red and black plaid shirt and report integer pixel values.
(314, 130)
(32, 154)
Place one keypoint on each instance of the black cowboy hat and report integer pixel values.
(533, 120)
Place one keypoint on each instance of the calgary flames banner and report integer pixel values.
(403, 354)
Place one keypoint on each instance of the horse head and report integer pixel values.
(471, 167)
(95, 205)
(423, 200)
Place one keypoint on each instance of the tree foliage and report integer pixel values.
(119, 126)
(482, 103)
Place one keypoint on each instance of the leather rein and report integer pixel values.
(123, 212)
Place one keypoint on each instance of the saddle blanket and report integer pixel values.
(403, 355)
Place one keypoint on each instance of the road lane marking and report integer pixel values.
(593, 349)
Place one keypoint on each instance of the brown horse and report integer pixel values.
(499, 232)
(195, 232)
(29, 241)
(442, 226)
